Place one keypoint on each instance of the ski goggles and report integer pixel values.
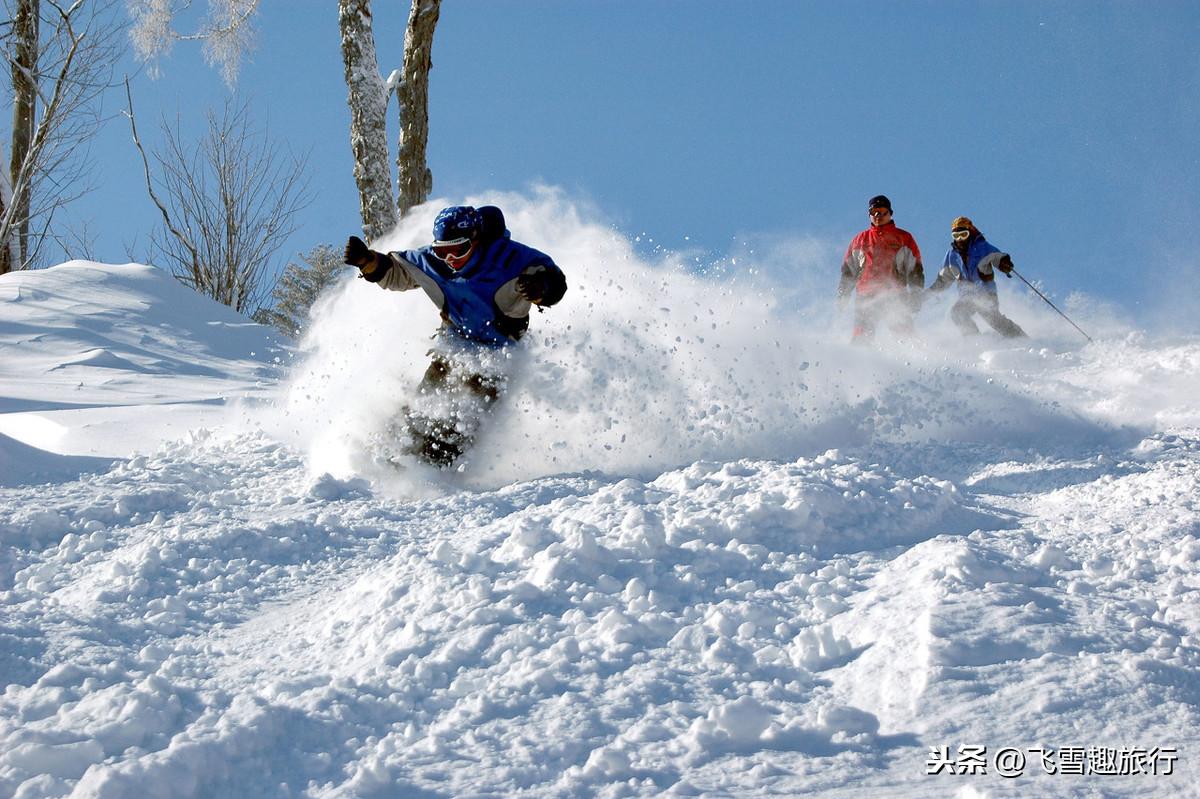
(960, 235)
(451, 249)
(880, 211)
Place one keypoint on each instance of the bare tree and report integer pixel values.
(415, 177)
(61, 58)
(368, 96)
(228, 202)
(227, 32)
(368, 99)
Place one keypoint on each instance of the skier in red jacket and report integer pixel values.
(883, 264)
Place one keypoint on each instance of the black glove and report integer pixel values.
(532, 286)
(357, 252)
(1005, 265)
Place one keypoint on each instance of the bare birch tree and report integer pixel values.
(368, 95)
(228, 202)
(415, 178)
(60, 58)
(368, 99)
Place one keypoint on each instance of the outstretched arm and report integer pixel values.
(373, 265)
(944, 279)
(949, 273)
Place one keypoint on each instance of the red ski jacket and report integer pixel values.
(881, 259)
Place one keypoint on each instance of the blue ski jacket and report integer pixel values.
(480, 301)
(977, 271)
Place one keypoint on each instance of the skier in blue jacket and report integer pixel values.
(484, 284)
(972, 263)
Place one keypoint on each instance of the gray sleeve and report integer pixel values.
(404, 275)
(989, 263)
(401, 275)
(510, 302)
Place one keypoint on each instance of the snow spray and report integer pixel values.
(649, 363)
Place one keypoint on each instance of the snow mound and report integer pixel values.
(22, 465)
(103, 360)
(99, 334)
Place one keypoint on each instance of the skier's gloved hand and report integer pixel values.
(1005, 265)
(532, 286)
(357, 253)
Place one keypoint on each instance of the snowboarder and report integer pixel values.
(485, 285)
(972, 262)
(883, 264)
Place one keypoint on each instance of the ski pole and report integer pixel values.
(1052, 305)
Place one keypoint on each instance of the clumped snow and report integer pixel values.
(705, 547)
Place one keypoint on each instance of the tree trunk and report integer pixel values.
(368, 100)
(7, 248)
(415, 180)
(24, 71)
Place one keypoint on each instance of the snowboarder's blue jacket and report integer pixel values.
(480, 301)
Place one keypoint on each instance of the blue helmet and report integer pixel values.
(455, 224)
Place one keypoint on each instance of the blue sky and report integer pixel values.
(1067, 130)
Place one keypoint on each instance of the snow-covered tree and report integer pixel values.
(227, 32)
(368, 95)
(299, 287)
(368, 99)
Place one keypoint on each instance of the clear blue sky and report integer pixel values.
(1067, 130)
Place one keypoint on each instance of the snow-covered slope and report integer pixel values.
(106, 360)
(776, 567)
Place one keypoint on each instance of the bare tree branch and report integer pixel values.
(166, 215)
(228, 203)
(227, 33)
